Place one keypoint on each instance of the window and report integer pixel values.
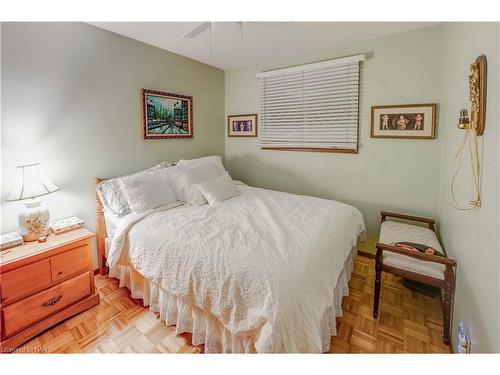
(311, 107)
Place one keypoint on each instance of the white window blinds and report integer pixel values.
(311, 107)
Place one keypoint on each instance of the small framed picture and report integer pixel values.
(242, 125)
(167, 115)
(416, 121)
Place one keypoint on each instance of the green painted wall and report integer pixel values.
(472, 237)
(400, 175)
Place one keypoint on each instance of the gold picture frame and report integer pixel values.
(405, 121)
(242, 125)
(166, 115)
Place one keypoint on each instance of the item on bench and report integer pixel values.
(417, 247)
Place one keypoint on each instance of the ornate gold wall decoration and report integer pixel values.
(477, 96)
(473, 128)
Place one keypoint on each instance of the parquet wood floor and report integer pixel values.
(408, 322)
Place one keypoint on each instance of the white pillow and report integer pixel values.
(184, 181)
(215, 160)
(219, 189)
(113, 197)
(148, 190)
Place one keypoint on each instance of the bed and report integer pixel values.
(262, 272)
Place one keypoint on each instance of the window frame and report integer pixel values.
(312, 67)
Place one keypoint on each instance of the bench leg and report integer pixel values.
(378, 282)
(449, 289)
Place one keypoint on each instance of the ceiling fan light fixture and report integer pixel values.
(241, 40)
(208, 25)
(210, 40)
(198, 30)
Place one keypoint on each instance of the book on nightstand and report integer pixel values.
(64, 225)
(9, 240)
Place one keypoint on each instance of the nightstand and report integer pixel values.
(42, 284)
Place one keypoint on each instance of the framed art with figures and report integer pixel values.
(242, 125)
(414, 121)
(167, 115)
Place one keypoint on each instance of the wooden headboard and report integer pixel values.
(101, 231)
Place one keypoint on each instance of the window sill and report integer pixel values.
(312, 149)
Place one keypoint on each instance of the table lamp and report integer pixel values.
(31, 184)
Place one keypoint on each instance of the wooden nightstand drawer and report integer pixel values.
(25, 280)
(28, 311)
(69, 263)
(42, 284)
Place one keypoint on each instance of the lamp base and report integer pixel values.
(33, 221)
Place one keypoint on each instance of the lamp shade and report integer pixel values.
(31, 183)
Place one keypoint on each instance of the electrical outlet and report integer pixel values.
(464, 342)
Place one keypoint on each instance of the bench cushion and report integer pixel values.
(392, 231)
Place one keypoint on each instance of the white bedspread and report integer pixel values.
(264, 263)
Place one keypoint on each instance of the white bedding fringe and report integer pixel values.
(205, 328)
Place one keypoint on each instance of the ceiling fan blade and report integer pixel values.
(197, 30)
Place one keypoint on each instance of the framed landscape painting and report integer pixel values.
(242, 125)
(167, 115)
(417, 121)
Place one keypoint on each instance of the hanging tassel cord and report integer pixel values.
(470, 143)
(476, 166)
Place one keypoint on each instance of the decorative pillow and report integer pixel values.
(112, 195)
(219, 189)
(215, 160)
(148, 190)
(184, 181)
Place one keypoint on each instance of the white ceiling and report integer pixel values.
(262, 41)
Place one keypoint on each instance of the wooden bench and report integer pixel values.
(421, 267)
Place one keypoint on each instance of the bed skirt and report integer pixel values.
(205, 328)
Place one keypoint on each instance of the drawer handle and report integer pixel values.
(52, 301)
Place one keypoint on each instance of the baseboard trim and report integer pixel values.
(365, 254)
